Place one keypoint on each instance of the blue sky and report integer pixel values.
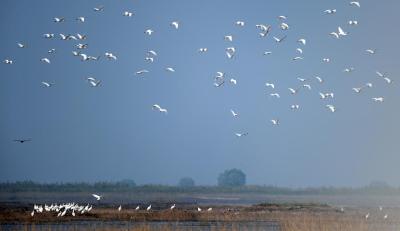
(81, 133)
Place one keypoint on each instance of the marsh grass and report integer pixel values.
(290, 218)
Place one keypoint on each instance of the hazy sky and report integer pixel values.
(81, 133)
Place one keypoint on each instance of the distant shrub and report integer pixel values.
(127, 183)
(186, 182)
(232, 178)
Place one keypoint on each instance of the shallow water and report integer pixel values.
(147, 226)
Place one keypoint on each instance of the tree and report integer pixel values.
(186, 182)
(232, 178)
(127, 183)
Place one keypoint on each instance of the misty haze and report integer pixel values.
(199, 115)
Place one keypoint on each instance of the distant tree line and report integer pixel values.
(121, 186)
(229, 181)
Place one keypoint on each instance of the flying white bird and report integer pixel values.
(80, 19)
(331, 107)
(319, 79)
(56, 19)
(46, 84)
(334, 34)
(234, 114)
(51, 51)
(91, 79)
(348, 70)
(127, 14)
(98, 8)
(98, 197)
(67, 37)
(170, 69)
(307, 86)
(140, 72)
(357, 89)
(267, 52)
(151, 52)
(275, 95)
(239, 23)
(330, 11)
(8, 61)
(228, 38)
(327, 60)
(84, 57)
(378, 99)
(341, 32)
(292, 91)
(149, 32)
(301, 79)
(94, 83)
(297, 58)
(325, 95)
(295, 106)
(150, 59)
(265, 29)
(275, 122)
(299, 50)
(230, 52)
(263, 34)
(219, 84)
(355, 3)
(20, 45)
(81, 46)
(48, 35)
(45, 60)
(202, 50)
(239, 135)
(368, 85)
(270, 85)
(63, 37)
(279, 40)
(370, 51)
(380, 74)
(175, 24)
(110, 56)
(160, 109)
(353, 22)
(220, 75)
(284, 26)
(387, 80)
(282, 17)
(80, 36)
(302, 41)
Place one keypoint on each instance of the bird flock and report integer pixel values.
(62, 209)
(221, 78)
(74, 209)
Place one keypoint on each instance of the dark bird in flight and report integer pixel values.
(22, 140)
